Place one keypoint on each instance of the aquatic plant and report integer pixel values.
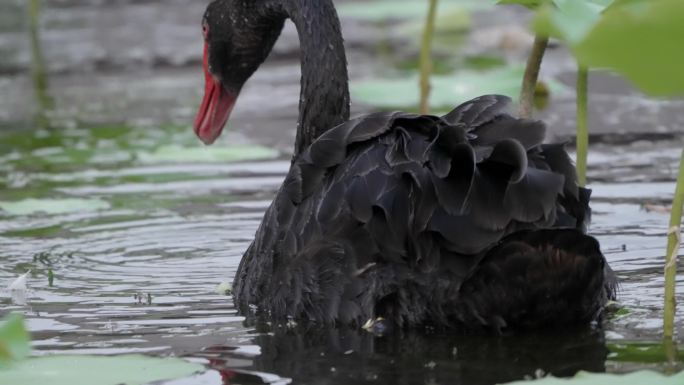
(426, 57)
(584, 27)
(582, 139)
(14, 340)
(586, 378)
(671, 254)
(17, 368)
(633, 38)
(529, 83)
(38, 69)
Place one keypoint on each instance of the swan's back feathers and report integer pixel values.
(512, 285)
(392, 200)
(484, 167)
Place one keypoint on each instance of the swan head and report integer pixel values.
(237, 38)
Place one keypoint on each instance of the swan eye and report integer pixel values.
(205, 30)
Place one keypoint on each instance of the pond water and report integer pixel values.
(138, 235)
(129, 228)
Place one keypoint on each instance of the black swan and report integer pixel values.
(461, 221)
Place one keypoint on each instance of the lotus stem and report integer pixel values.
(671, 354)
(673, 241)
(38, 70)
(426, 58)
(582, 124)
(529, 83)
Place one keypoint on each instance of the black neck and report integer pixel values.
(324, 98)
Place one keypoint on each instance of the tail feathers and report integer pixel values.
(537, 279)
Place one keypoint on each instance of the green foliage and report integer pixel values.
(585, 378)
(69, 370)
(640, 39)
(568, 20)
(14, 341)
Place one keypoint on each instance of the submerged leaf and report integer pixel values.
(585, 378)
(641, 352)
(69, 370)
(174, 153)
(52, 206)
(14, 340)
(224, 288)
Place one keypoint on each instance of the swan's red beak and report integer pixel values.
(215, 108)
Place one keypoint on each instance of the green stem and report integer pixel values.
(671, 354)
(672, 252)
(582, 124)
(529, 84)
(426, 58)
(38, 70)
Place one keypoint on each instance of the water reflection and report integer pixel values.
(343, 356)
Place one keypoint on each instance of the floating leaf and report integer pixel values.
(35, 232)
(585, 378)
(641, 352)
(623, 311)
(642, 41)
(224, 288)
(636, 38)
(569, 20)
(14, 341)
(408, 9)
(52, 206)
(174, 153)
(447, 91)
(69, 370)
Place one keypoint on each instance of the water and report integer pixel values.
(139, 225)
(139, 273)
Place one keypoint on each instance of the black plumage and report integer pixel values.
(395, 215)
(465, 220)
